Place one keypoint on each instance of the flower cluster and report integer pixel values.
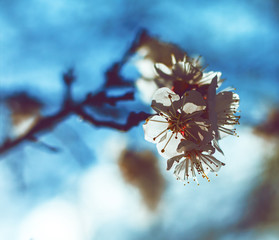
(190, 117)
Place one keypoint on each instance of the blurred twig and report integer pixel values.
(113, 75)
(49, 122)
(132, 120)
(101, 98)
(70, 107)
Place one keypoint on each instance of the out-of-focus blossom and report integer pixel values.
(141, 170)
(194, 160)
(150, 51)
(270, 128)
(184, 75)
(178, 118)
(164, 64)
(25, 112)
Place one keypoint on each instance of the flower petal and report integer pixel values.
(217, 146)
(207, 78)
(166, 101)
(168, 147)
(186, 145)
(224, 101)
(199, 131)
(146, 68)
(171, 161)
(225, 108)
(162, 96)
(155, 128)
(211, 163)
(163, 71)
(191, 107)
(192, 101)
(183, 170)
(211, 105)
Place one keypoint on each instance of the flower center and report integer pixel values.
(178, 126)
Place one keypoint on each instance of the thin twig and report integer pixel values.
(49, 122)
(132, 120)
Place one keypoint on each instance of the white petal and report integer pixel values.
(154, 128)
(171, 161)
(211, 163)
(168, 147)
(162, 96)
(162, 67)
(211, 103)
(183, 170)
(165, 100)
(199, 132)
(146, 68)
(186, 146)
(224, 100)
(146, 89)
(223, 133)
(173, 59)
(207, 148)
(207, 78)
(193, 101)
(191, 107)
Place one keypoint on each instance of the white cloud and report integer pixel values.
(55, 220)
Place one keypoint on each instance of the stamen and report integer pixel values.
(176, 135)
(197, 59)
(204, 68)
(199, 124)
(184, 99)
(193, 173)
(211, 161)
(206, 176)
(187, 168)
(227, 131)
(171, 114)
(163, 150)
(173, 108)
(157, 121)
(207, 163)
(159, 110)
(190, 134)
(160, 134)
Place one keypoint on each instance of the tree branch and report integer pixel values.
(132, 120)
(49, 122)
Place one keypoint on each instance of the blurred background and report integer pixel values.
(77, 181)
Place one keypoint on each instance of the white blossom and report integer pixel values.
(185, 74)
(177, 119)
(193, 161)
